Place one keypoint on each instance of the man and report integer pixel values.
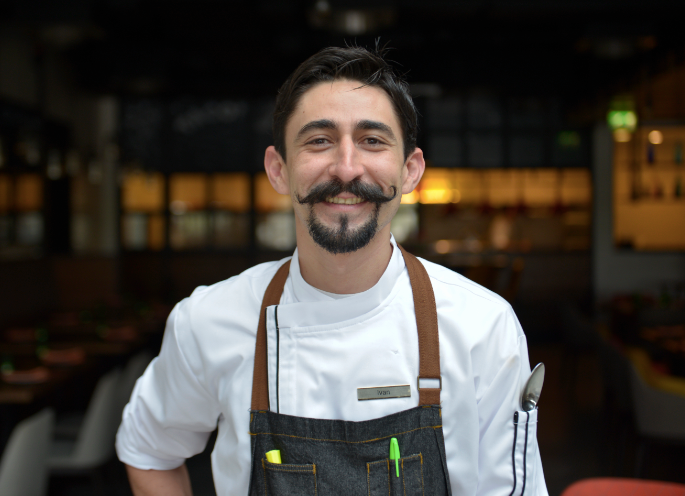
(322, 348)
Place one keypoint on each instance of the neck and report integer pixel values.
(347, 273)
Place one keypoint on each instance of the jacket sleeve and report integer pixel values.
(509, 458)
(171, 413)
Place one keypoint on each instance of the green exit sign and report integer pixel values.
(622, 119)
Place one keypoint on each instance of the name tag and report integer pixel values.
(381, 393)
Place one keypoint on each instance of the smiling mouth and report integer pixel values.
(344, 201)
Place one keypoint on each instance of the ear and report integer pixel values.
(276, 171)
(413, 171)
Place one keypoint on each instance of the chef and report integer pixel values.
(351, 367)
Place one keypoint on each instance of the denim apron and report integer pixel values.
(327, 457)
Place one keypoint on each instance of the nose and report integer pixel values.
(347, 165)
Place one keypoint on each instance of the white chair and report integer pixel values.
(69, 425)
(134, 369)
(23, 470)
(94, 444)
(659, 411)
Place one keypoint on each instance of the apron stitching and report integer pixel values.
(295, 471)
(423, 490)
(418, 455)
(340, 440)
(368, 480)
(387, 470)
(440, 440)
(264, 475)
(368, 473)
(315, 484)
(404, 485)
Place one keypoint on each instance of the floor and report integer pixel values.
(577, 438)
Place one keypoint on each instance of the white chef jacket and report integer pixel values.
(327, 348)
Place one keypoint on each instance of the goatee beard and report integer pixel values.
(341, 239)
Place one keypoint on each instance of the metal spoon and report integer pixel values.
(531, 391)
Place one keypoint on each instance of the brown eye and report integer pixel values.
(374, 141)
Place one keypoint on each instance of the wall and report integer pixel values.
(30, 289)
(18, 78)
(617, 270)
(43, 80)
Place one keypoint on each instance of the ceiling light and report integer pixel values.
(655, 137)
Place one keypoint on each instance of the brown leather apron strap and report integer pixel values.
(426, 324)
(260, 378)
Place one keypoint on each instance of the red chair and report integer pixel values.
(623, 487)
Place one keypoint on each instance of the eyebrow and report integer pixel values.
(320, 124)
(371, 125)
(361, 125)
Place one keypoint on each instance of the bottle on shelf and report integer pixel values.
(678, 153)
(650, 154)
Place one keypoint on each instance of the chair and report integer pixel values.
(23, 470)
(134, 369)
(68, 426)
(615, 370)
(623, 487)
(94, 444)
(658, 405)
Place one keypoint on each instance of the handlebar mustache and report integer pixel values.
(372, 193)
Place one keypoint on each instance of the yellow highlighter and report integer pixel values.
(273, 456)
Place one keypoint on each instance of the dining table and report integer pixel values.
(58, 366)
(665, 345)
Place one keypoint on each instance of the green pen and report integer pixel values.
(395, 454)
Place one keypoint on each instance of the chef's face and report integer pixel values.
(344, 166)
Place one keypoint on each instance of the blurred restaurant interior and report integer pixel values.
(132, 135)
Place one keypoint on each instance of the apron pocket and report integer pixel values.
(378, 477)
(288, 479)
(524, 451)
(382, 477)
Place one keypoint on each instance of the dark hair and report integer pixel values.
(355, 64)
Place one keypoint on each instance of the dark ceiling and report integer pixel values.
(210, 47)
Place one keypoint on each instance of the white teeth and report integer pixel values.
(344, 201)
